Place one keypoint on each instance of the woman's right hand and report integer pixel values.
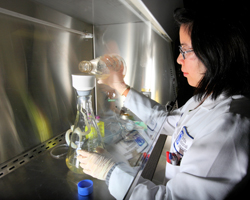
(116, 77)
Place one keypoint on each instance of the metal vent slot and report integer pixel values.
(15, 163)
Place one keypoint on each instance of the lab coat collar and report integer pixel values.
(209, 103)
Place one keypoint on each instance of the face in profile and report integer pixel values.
(193, 69)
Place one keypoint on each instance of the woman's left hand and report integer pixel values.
(95, 164)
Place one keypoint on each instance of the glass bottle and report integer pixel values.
(102, 65)
(86, 134)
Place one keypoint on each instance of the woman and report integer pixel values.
(210, 132)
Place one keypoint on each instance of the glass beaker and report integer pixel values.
(85, 134)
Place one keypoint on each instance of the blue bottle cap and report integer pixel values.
(85, 187)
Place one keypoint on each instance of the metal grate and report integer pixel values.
(24, 158)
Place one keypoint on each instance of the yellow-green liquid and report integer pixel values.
(73, 168)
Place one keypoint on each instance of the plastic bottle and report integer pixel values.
(102, 65)
(113, 130)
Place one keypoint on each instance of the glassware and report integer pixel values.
(85, 134)
(102, 65)
(126, 137)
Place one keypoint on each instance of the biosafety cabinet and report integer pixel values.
(41, 45)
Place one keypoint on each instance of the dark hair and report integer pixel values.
(220, 40)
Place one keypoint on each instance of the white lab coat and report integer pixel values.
(215, 161)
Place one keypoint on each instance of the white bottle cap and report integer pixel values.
(83, 82)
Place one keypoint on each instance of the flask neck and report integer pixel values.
(82, 101)
(83, 92)
(86, 66)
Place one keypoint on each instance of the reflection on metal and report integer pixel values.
(15, 163)
(107, 12)
(149, 60)
(138, 7)
(97, 12)
(37, 101)
(35, 20)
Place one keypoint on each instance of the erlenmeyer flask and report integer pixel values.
(85, 132)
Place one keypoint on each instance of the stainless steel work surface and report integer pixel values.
(48, 178)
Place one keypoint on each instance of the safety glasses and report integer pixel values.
(183, 53)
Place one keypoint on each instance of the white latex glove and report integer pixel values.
(115, 79)
(95, 164)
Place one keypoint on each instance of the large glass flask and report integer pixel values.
(102, 66)
(85, 134)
